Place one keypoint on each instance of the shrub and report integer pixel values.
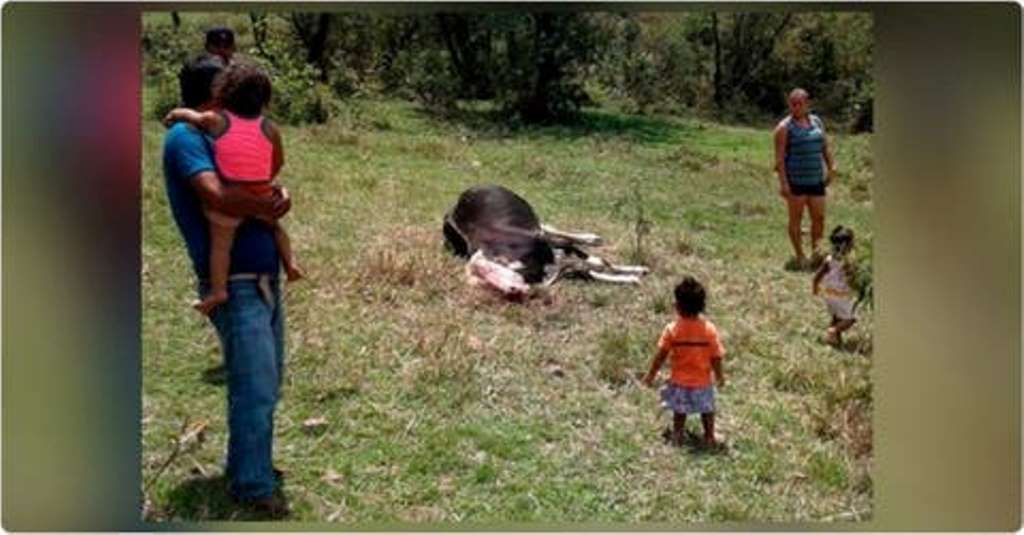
(298, 94)
(165, 50)
(343, 81)
(165, 96)
(298, 97)
(651, 64)
(861, 280)
(430, 79)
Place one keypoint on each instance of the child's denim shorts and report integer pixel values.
(688, 400)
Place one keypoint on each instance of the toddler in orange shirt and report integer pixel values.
(695, 350)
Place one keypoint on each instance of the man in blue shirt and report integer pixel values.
(251, 324)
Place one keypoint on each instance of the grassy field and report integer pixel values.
(447, 406)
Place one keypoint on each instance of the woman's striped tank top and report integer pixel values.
(805, 164)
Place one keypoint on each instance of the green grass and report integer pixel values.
(442, 403)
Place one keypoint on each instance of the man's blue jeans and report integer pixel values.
(251, 330)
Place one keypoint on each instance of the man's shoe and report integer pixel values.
(273, 507)
(279, 474)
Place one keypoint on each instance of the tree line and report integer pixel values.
(548, 66)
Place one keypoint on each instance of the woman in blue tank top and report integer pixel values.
(803, 161)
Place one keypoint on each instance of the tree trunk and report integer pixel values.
(317, 51)
(469, 49)
(454, 31)
(749, 73)
(259, 33)
(536, 106)
(399, 38)
(176, 20)
(718, 60)
(739, 53)
(312, 30)
(485, 89)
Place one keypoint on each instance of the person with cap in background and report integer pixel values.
(220, 41)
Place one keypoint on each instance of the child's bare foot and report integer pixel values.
(796, 263)
(832, 336)
(672, 438)
(712, 445)
(211, 301)
(294, 272)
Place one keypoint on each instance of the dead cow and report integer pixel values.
(510, 250)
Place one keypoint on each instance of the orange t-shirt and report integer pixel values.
(692, 343)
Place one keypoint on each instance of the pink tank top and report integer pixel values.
(243, 153)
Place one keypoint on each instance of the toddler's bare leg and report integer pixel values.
(834, 333)
(222, 234)
(831, 336)
(708, 419)
(841, 326)
(284, 247)
(678, 428)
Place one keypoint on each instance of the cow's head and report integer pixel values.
(510, 251)
(510, 261)
(529, 256)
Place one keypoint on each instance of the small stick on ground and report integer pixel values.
(185, 436)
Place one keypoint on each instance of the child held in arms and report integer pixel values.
(248, 153)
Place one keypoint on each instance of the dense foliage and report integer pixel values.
(545, 66)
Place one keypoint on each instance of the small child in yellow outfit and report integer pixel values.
(693, 345)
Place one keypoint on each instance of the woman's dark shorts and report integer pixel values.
(814, 190)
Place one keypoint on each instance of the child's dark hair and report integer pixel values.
(243, 89)
(690, 297)
(220, 37)
(841, 238)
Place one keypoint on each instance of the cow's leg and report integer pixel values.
(603, 265)
(632, 270)
(613, 278)
(582, 238)
(581, 270)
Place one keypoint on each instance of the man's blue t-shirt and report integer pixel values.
(186, 154)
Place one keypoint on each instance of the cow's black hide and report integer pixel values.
(502, 224)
